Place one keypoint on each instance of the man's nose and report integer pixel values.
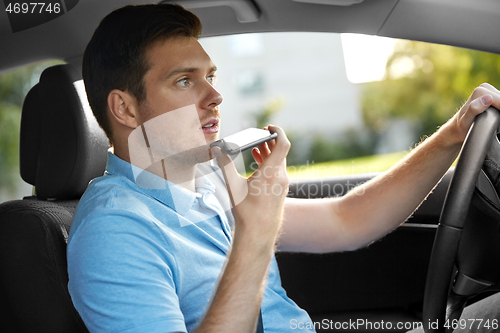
(212, 98)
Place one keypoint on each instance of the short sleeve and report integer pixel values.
(122, 275)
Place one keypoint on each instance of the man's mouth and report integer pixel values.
(211, 126)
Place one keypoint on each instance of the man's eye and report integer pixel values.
(212, 79)
(183, 82)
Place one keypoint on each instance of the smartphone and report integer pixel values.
(241, 141)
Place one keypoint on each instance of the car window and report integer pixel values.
(349, 103)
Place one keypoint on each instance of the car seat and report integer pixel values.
(61, 149)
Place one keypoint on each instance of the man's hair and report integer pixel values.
(116, 58)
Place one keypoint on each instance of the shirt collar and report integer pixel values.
(202, 183)
(174, 196)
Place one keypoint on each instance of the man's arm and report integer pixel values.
(370, 212)
(258, 210)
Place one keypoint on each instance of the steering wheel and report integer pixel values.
(467, 241)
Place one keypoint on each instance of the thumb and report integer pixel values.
(235, 183)
(475, 107)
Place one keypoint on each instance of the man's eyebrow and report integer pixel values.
(187, 70)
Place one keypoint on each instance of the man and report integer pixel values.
(157, 251)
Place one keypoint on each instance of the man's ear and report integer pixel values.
(124, 108)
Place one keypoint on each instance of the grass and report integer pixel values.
(365, 164)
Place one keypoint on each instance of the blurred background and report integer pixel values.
(348, 103)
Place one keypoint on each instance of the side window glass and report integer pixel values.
(349, 103)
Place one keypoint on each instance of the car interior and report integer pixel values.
(59, 156)
(62, 148)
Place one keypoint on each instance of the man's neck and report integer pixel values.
(178, 173)
(182, 175)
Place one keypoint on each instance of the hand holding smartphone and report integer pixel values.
(241, 141)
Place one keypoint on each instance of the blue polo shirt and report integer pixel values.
(147, 258)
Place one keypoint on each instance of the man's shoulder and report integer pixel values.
(113, 199)
(109, 191)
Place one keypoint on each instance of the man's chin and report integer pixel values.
(209, 138)
(192, 156)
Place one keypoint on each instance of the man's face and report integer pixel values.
(181, 110)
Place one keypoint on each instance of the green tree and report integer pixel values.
(436, 82)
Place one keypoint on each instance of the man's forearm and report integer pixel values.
(236, 303)
(389, 199)
(380, 205)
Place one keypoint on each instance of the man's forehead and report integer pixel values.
(177, 53)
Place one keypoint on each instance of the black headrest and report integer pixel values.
(62, 147)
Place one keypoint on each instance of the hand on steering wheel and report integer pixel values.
(442, 304)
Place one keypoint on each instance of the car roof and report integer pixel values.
(464, 23)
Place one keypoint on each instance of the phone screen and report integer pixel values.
(248, 138)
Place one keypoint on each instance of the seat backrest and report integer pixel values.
(61, 149)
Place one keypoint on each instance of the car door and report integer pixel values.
(375, 288)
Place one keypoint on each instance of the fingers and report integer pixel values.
(481, 99)
(281, 145)
(271, 144)
(470, 110)
(257, 156)
(488, 86)
(482, 90)
(280, 148)
(480, 104)
(264, 150)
